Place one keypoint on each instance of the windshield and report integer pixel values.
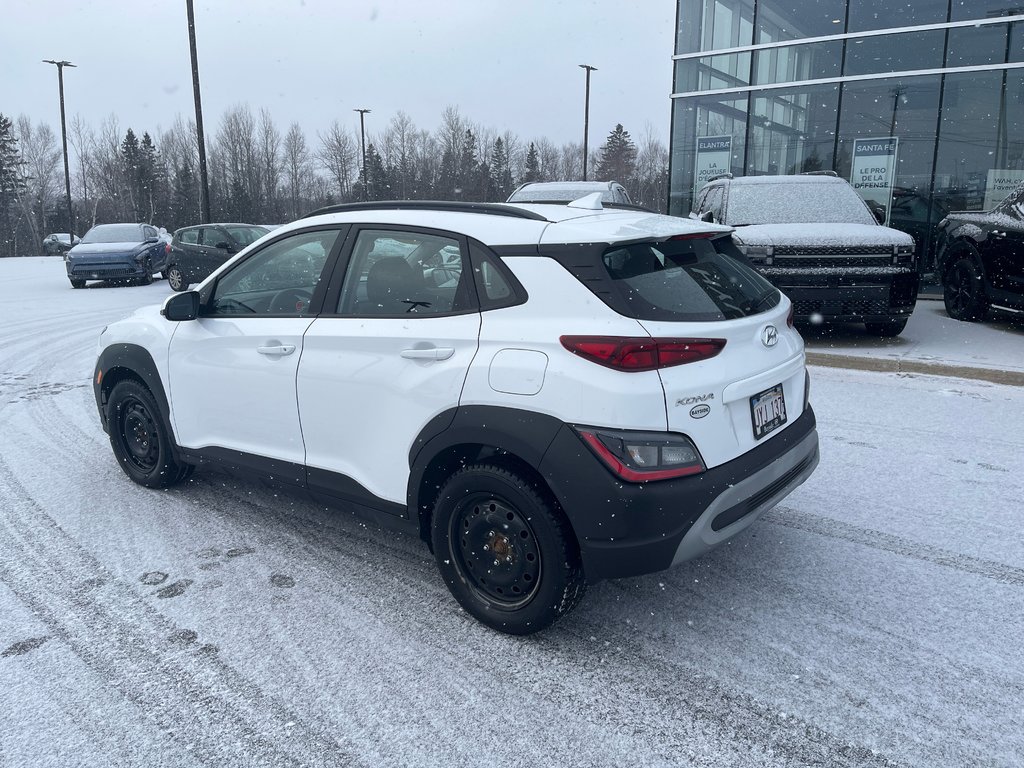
(114, 233)
(687, 280)
(800, 203)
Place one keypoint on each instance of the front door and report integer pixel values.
(232, 370)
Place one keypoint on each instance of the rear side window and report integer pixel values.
(189, 236)
(686, 280)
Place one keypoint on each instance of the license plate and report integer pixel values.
(768, 411)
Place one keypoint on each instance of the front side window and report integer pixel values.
(279, 279)
(189, 237)
(399, 273)
(686, 279)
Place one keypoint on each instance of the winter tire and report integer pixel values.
(887, 328)
(139, 437)
(77, 283)
(146, 278)
(505, 550)
(176, 279)
(964, 289)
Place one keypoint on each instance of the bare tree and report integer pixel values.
(337, 154)
(297, 169)
(42, 156)
(270, 165)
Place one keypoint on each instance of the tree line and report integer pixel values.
(259, 174)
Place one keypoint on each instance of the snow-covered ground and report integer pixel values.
(874, 619)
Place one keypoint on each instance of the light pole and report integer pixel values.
(586, 119)
(64, 138)
(204, 182)
(362, 144)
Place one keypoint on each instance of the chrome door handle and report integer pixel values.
(282, 349)
(430, 353)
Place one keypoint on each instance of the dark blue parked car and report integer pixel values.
(121, 252)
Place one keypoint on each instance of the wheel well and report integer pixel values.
(956, 249)
(115, 376)
(454, 458)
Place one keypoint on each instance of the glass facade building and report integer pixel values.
(792, 84)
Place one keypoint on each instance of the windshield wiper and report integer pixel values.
(754, 304)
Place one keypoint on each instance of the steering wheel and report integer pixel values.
(290, 301)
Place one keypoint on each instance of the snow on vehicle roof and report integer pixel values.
(783, 179)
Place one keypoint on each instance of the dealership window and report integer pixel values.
(795, 19)
(708, 25)
(981, 139)
(793, 63)
(704, 116)
(879, 14)
(904, 108)
(792, 130)
(712, 72)
(894, 53)
(964, 10)
(977, 46)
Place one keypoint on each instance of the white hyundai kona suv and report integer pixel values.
(548, 395)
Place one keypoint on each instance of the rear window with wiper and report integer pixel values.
(686, 279)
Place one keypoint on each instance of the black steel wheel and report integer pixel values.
(505, 550)
(964, 290)
(176, 278)
(140, 439)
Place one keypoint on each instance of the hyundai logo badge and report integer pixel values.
(770, 336)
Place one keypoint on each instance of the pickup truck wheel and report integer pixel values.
(140, 439)
(964, 289)
(176, 278)
(887, 328)
(505, 550)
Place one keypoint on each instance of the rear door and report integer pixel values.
(390, 352)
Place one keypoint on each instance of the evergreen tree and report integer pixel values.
(618, 156)
(148, 178)
(468, 168)
(376, 175)
(131, 157)
(12, 184)
(532, 165)
(500, 172)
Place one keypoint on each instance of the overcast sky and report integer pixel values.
(506, 65)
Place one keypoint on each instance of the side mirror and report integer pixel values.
(182, 306)
(879, 214)
(225, 245)
(151, 240)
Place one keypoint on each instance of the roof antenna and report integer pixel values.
(591, 202)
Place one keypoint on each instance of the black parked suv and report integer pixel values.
(981, 258)
(195, 252)
(814, 238)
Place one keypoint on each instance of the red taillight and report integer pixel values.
(789, 317)
(167, 248)
(625, 353)
(642, 457)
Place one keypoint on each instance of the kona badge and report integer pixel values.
(695, 399)
(770, 336)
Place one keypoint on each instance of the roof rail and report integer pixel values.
(819, 173)
(451, 206)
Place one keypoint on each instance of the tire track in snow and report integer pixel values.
(193, 696)
(887, 542)
(694, 703)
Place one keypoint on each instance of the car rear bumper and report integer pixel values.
(630, 529)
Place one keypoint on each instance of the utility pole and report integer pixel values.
(586, 119)
(362, 143)
(64, 138)
(204, 181)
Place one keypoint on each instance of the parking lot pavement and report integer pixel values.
(932, 343)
